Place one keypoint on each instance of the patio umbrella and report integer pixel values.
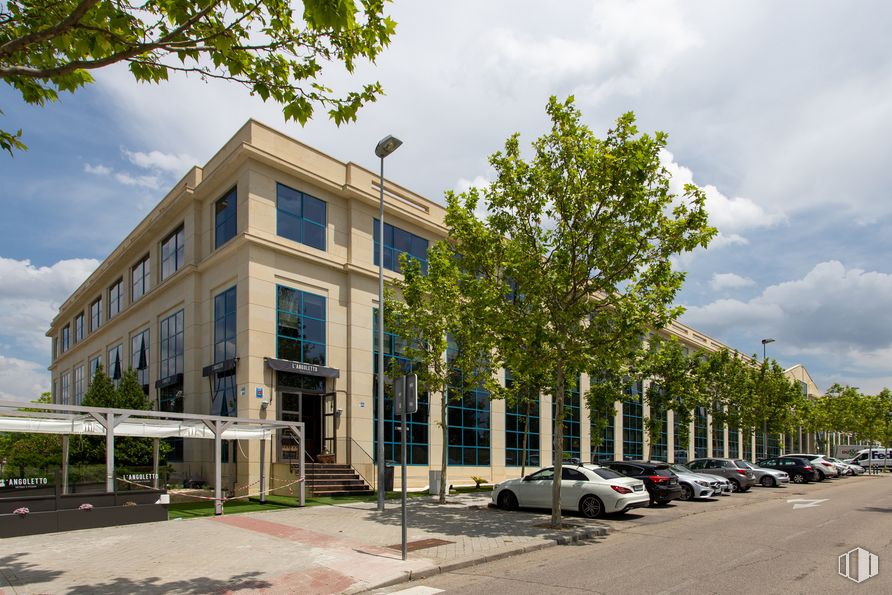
(142, 364)
(116, 375)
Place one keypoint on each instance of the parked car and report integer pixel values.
(823, 467)
(698, 485)
(799, 469)
(767, 478)
(741, 479)
(589, 489)
(660, 481)
(848, 468)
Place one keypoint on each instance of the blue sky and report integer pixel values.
(780, 111)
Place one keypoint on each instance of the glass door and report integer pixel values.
(329, 422)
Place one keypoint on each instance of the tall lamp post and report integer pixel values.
(765, 423)
(764, 343)
(385, 147)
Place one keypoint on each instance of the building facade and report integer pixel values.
(251, 290)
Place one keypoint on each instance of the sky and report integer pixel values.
(780, 111)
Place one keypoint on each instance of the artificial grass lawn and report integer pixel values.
(188, 510)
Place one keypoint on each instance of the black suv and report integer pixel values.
(799, 469)
(660, 481)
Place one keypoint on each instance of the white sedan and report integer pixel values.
(589, 489)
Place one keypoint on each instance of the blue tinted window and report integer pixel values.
(170, 346)
(572, 413)
(300, 326)
(398, 241)
(521, 423)
(633, 424)
(700, 432)
(225, 220)
(300, 217)
(469, 423)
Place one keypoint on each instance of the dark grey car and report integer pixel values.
(741, 479)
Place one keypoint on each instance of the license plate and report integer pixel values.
(637, 488)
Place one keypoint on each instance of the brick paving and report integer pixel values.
(322, 549)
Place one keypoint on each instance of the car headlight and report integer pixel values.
(705, 484)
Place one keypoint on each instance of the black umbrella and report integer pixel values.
(117, 371)
(143, 364)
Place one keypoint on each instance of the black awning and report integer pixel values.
(225, 366)
(286, 365)
(169, 381)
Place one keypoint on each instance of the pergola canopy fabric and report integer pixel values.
(86, 425)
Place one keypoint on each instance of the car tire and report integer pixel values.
(687, 492)
(591, 507)
(507, 500)
(798, 478)
(735, 486)
(850, 472)
(821, 476)
(767, 481)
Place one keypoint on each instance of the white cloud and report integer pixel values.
(145, 181)
(97, 170)
(176, 164)
(722, 281)
(30, 297)
(22, 380)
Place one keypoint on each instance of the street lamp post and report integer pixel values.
(764, 343)
(764, 422)
(385, 147)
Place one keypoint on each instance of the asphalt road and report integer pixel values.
(744, 543)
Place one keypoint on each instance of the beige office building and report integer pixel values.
(251, 289)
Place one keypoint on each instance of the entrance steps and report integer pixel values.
(328, 479)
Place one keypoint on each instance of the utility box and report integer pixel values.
(434, 479)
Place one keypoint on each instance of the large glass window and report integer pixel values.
(116, 364)
(760, 445)
(95, 314)
(718, 438)
(173, 250)
(300, 326)
(773, 445)
(300, 217)
(633, 424)
(224, 399)
(417, 436)
(605, 450)
(170, 346)
(79, 328)
(140, 278)
(521, 427)
(700, 432)
(572, 415)
(748, 447)
(659, 449)
(94, 365)
(469, 428)
(115, 298)
(66, 389)
(225, 218)
(66, 338)
(733, 443)
(139, 358)
(78, 385)
(398, 241)
(682, 454)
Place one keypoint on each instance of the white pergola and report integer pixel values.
(67, 420)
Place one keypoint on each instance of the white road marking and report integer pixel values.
(419, 590)
(802, 503)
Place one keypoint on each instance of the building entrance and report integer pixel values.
(317, 411)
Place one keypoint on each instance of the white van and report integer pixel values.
(875, 457)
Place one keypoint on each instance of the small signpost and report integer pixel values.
(405, 402)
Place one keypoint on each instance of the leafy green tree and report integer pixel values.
(48, 46)
(430, 312)
(30, 450)
(584, 231)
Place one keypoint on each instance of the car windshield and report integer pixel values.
(606, 473)
(680, 468)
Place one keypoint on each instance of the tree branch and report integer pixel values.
(70, 21)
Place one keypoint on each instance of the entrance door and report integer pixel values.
(306, 407)
(329, 422)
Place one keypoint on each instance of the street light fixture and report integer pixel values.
(385, 147)
(764, 343)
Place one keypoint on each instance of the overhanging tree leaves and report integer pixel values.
(584, 231)
(48, 46)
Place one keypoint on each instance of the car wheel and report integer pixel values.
(735, 486)
(767, 481)
(798, 478)
(821, 476)
(591, 507)
(687, 493)
(507, 500)
(850, 472)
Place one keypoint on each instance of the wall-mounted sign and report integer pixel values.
(259, 392)
(362, 404)
(242, 391)
(24, 482)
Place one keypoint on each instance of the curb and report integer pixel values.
(434, 570)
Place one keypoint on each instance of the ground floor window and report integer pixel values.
(681, 441)
(605, 450)
(773, 445)
(572, 417)
(700, 433)
(633, 424)
(733, 443)
(469, 429)
(760, 445)
(521, 428)
(748, 447)
(718, 439)
(659, 450)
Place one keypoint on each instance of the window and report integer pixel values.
(78, 385)
(140, 278)
(659, 449)
(139, 358)
(543, 475)
(396, 242)
(521, 425)
(172, 253)
(773, 445)
(570, 474)
(225, 218)
(94, 366)
(733, 442)
(417, 437)
(170, 346)
(66, 389)
(115, 298)
(300, 217)
(95, 314)
(718, 438)
(66, 338)
(605, 428)
(748, 446)
(571, 446)
(700, 434)
(300, 326)
(760, 444)
(682, 438)
(633, 424)
(116, 364)
(55, 348)
(79, 328)
(224, 401)
(469, 423)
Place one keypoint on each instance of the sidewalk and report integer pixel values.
(323, 549)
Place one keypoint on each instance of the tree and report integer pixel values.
(34, 450)
(433, 318)
(584, 231)
(48, 46)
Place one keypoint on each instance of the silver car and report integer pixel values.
(767, 478)
(699, 485)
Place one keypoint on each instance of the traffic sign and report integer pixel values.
(405, 394)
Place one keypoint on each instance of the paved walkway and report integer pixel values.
(322, 549)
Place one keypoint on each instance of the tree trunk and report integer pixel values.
(557, 448)
(444, 412)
